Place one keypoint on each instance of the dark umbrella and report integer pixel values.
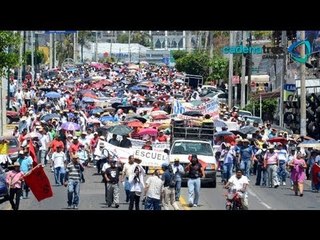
(116, 104)
(120, 130)
(50, 116)
(248, 130)
(193, 113)
(141, 119)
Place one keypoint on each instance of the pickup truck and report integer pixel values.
(194, 140)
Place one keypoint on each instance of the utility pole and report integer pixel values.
(51, 51)
(211, 49)
(249, 67)
(96, 48)
(129, 46)
(243, 73)
(55, 50)
(303, 121)
(24, 51)
(75, 47)
(230, 72)
(283, 80)
(32, 56)
(20, 60)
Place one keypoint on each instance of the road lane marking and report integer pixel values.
(259, 199)
(184, 203)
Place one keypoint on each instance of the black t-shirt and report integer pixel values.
(113, 174)
(126, 143)
(195, 171)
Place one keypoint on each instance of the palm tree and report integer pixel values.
(65, 48)
(84, 39)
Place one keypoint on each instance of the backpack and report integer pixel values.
(260, 157)
(172, 182)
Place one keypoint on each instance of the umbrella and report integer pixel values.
(193, 113)
(107, 119)
(223, 133)
(89, 95)
(53, 95)
(93, 120)
(159, 112)
(141, 119)
(148, 131)
(310, 144)
(70, 126)
(278, 139)
(160, 117)
(88, 100)
(120, 130)
(50, 116)
(33, 135)
(138, 88)
(220, 123)
(70, 115)
(135, 124)
(248, 130)
(116, 104)
(96, 110)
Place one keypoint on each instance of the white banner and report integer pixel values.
(160, 146)
(121, 154)
(150, 158)
(211, 106)
(137, 143)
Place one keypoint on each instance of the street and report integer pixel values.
(92, 197)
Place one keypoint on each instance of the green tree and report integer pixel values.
(269, 106)
(38, 55)
(196, 63)
(140, 37)
(219, 66)
(262, 35)
(9, 41)
(179, 54)
(65, 48)
(84, 39)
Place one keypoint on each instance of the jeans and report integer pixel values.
(282, 173)
(15, 192)
(245, 166)
(57, 177)
(73, 192)
(134, 200)
(43, 154)
(261, 175)
(152, 204)
(194, 190)
(178, 188)
(227, 171)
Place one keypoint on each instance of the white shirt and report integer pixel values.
(105, 166)
(154, 185)
(238, 183)
(58, 159)
(128, 169)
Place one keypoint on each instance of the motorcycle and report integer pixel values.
(234, 199)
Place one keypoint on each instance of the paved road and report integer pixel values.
(260, 198)
(92, 197)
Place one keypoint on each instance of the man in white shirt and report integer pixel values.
(240, 184)
(153, 190)
(58, 163)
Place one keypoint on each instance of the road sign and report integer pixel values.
(60, 32)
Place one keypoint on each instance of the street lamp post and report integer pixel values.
(303, 121)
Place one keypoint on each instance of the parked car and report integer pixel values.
(13, 147)
(12, 116)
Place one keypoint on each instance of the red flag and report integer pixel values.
(33, 154)
(39, 183)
